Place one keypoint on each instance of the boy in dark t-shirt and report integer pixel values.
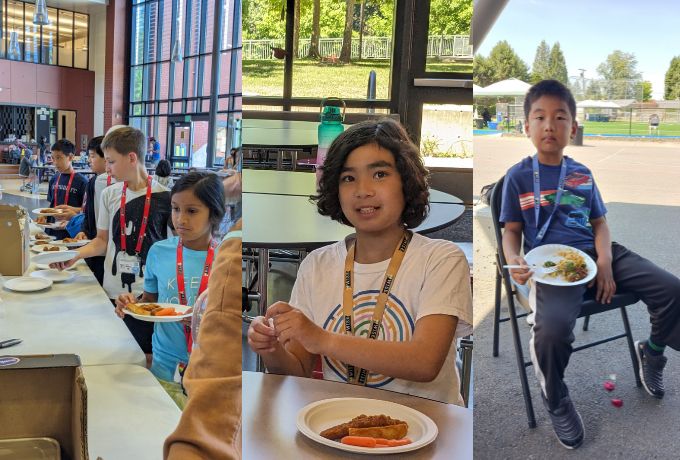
(66, 187)
(550, 198)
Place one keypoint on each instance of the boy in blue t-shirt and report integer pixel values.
(578, 221)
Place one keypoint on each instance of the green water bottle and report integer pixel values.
(332, 116)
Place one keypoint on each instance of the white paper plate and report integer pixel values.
(40, 248)
(320, 415)
(539, 255)
(55, 226)
(162, 319)
(52, 257)
(38, 212)
(27, 284)
(74, 244)
(47, 266)
(49, 238)
(53, 275)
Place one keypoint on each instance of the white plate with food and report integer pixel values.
(40, 248)
(41, 236)
(54, 226)
(569, 266)
(53, 275)
(53, 257)
(27, 284)
(46, 211)
(157, 312)
(72, 242)
(329, 420)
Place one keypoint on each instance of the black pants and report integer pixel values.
(557, 308)
(140, 330)
(96, 264)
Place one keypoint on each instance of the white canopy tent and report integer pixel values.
(509, 87)
(591, 104)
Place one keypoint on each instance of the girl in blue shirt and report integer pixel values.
(177, 270)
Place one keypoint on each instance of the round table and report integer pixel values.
(271, 404)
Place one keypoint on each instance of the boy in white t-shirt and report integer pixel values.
(146, 217)
(374, 180)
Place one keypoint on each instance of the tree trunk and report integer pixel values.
(296, 29)
(346, 53)
(316, 32)
(361, 29)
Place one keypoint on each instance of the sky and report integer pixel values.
(589, 30)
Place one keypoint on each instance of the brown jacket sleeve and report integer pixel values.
(210, 426)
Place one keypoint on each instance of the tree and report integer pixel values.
(450, 18)
(557, 66)
(646, 91)
(620, 72)
(502, 63)
(540, 69)
(672, 80)
(296, 28)
(482, 72)
(313, 52)
(346, 52)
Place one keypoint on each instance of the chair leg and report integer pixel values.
(497, 314)
(586, 323)
(520, 365)
(631, 346)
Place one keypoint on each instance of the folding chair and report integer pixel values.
(521, 293)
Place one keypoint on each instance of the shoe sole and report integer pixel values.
(582, 439)
(641, 373)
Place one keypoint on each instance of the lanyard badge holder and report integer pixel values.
(181, 293)
(537, 198)
(131, 264)
(361, 377)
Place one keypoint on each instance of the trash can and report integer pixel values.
(479, 123)
(578, 138)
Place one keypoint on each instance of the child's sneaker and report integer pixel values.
(567, 423)
(651, 370)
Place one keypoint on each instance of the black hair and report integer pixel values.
(163, 168)
(390, 135)
(549, 88)
(95, 145)
(207, 186)
(64, 146)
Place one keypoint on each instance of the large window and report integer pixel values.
(170, 100)
(64, 42)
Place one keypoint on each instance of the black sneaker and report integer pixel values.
(651, 370)
(567, 423)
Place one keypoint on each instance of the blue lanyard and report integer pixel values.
(537, 197)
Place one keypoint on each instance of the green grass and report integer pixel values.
(311, 79)
(624, 127)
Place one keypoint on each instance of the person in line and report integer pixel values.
(382, 307)
(541, 196)
(134, 213)
(197, 202)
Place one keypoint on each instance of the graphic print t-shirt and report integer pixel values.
(434, 278)
(580, 203)
(75, 195)
(116, 283)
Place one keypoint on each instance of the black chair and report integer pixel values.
(512, 290)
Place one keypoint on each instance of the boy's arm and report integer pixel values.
(418, 360)
(512, 244)
(606, 287)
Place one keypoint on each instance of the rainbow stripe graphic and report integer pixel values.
(397, 326)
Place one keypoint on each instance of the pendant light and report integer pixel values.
(14, 50)
(40, 17)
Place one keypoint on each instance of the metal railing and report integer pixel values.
(441, 46)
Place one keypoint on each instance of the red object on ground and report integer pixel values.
(609, 386)
(617, 402)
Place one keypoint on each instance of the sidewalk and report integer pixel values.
(638, 184)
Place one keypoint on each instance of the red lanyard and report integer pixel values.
(145, 217)
(108, 180)
(204, 281)
(68, 188)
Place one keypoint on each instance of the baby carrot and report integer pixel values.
(359, 441)
(165, 312)
(398, 442)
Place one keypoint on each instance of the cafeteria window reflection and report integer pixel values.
(446, 135)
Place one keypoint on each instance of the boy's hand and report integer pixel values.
(67, 212)
(122, 301)
(81, 236)
(520, 275)
(64, 265)
(261, 336)
(606, 287)
(290, 323)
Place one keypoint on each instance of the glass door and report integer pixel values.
(181, 134)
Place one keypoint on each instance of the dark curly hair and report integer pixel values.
(391, 136)
(208, 188)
